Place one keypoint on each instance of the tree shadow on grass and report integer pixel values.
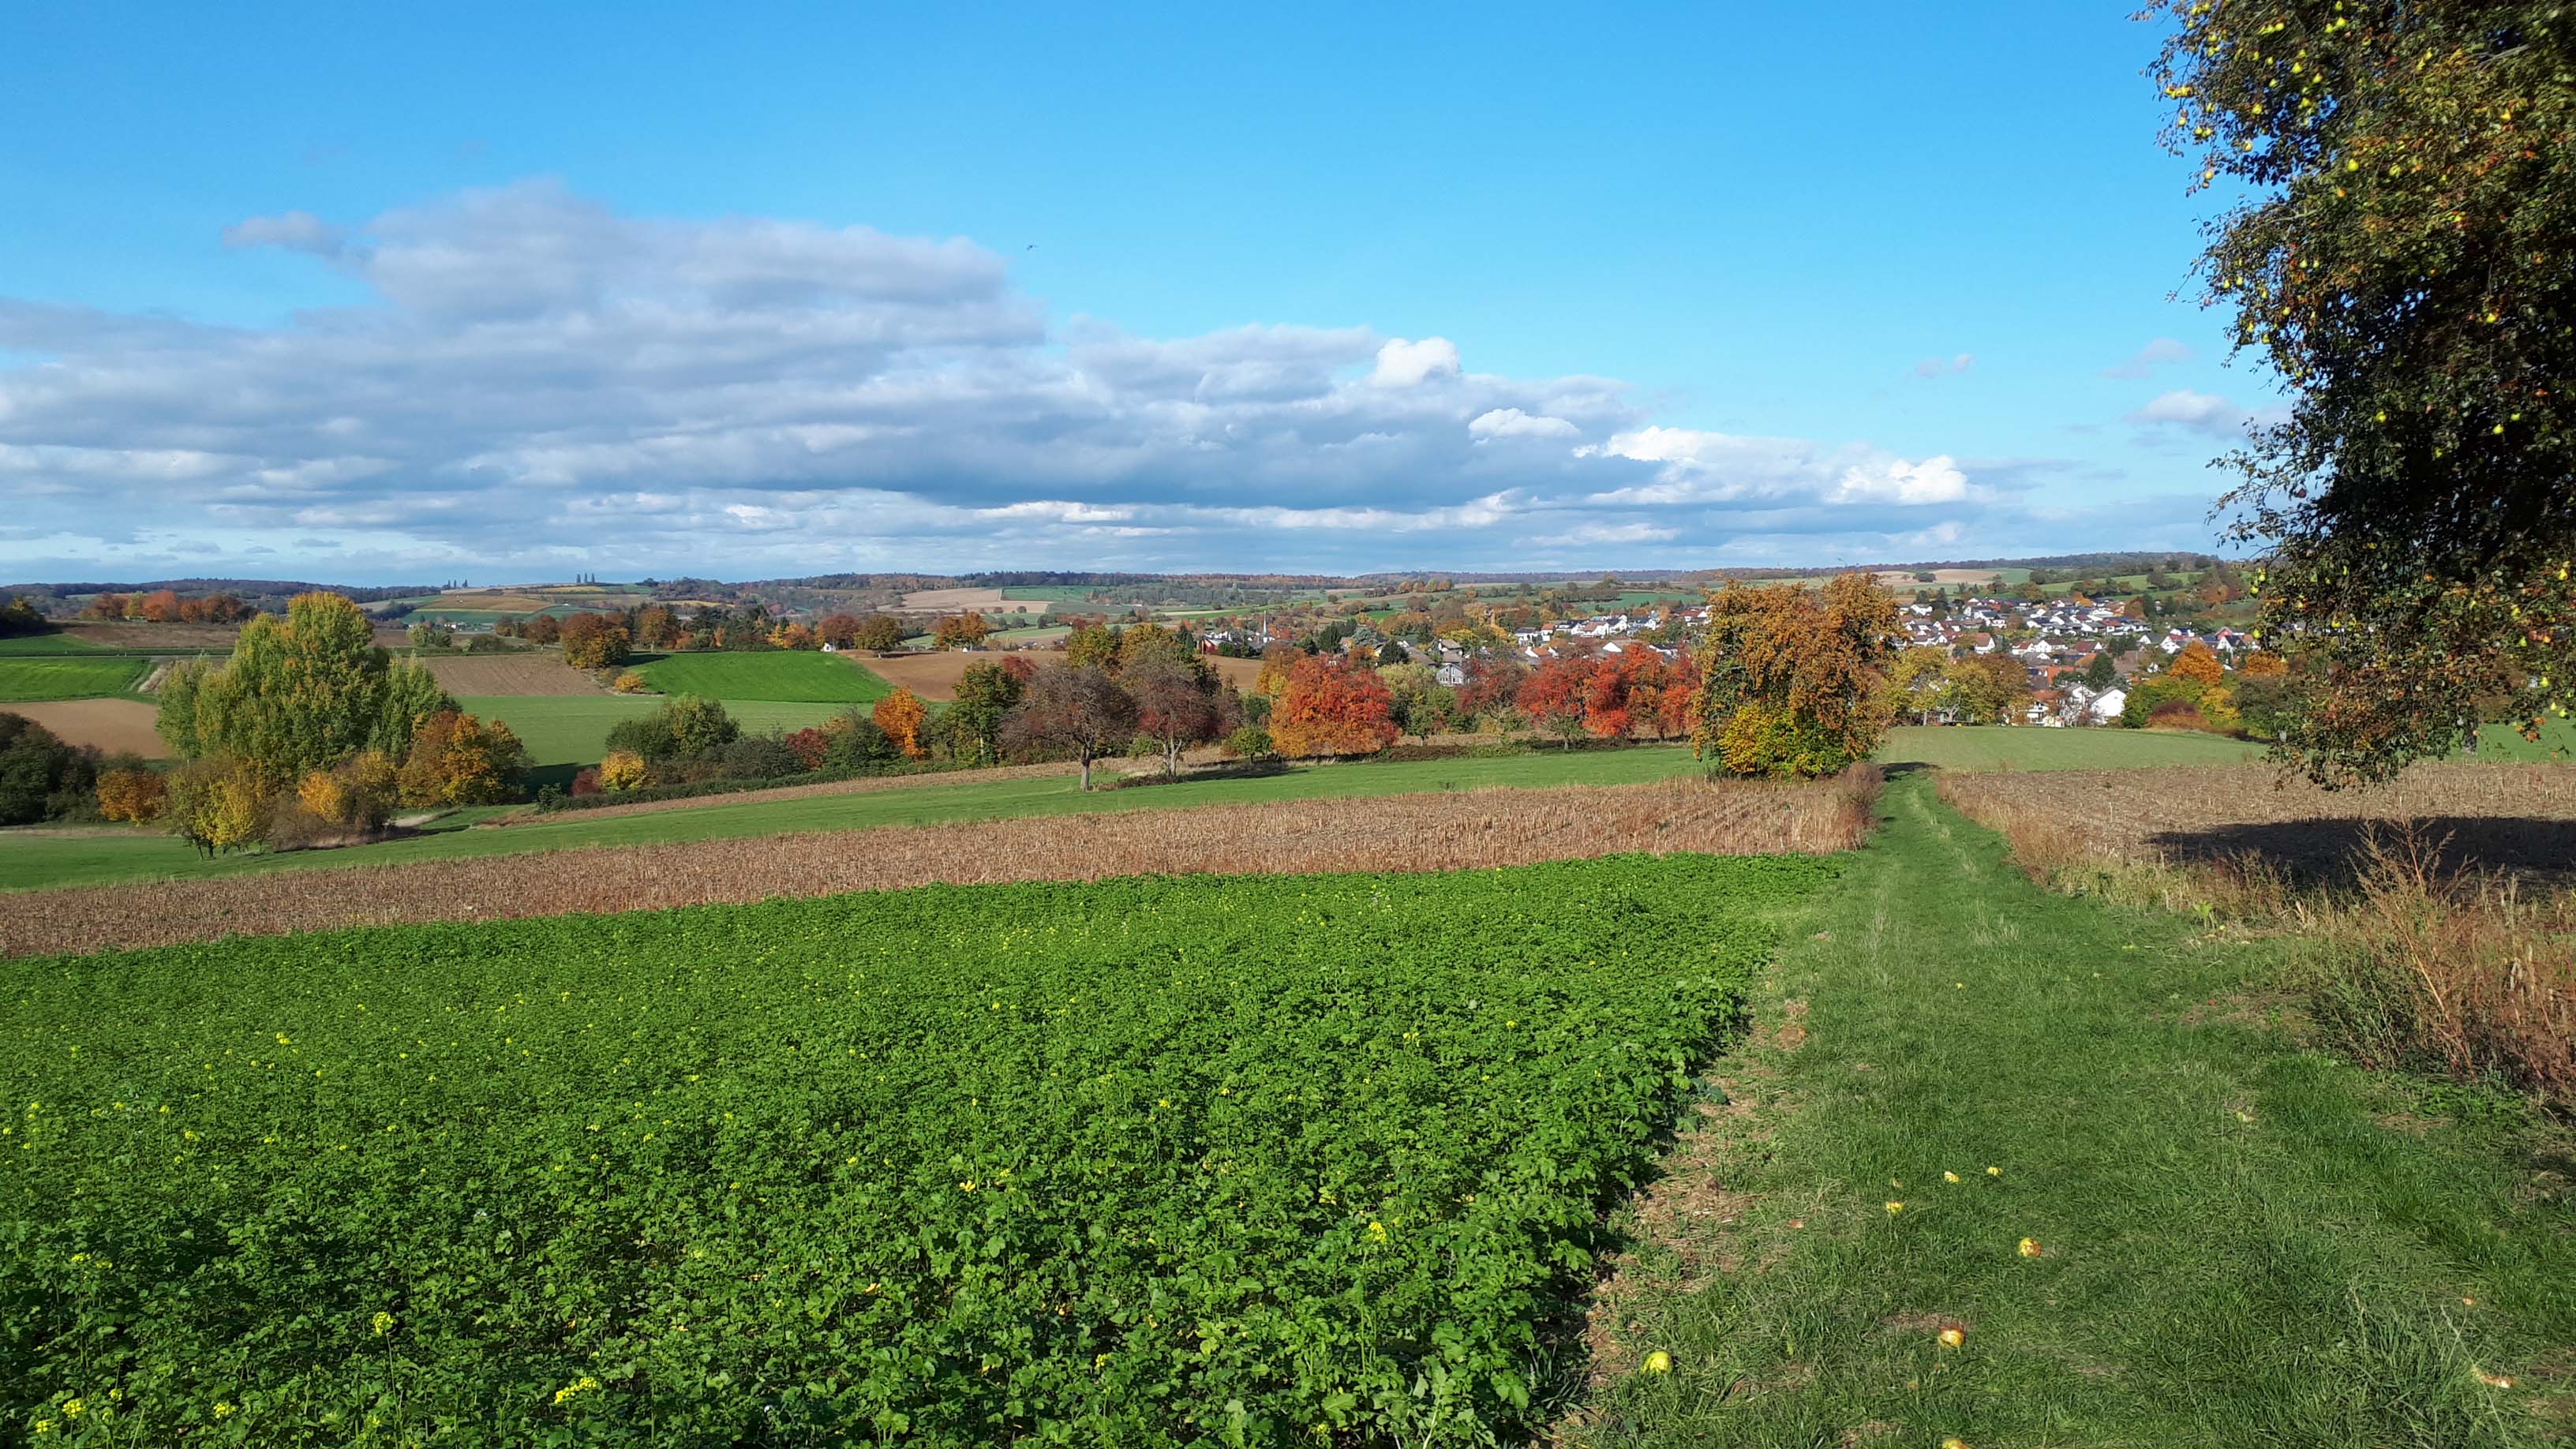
(2335, 852)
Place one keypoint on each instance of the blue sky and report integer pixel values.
(759, 290)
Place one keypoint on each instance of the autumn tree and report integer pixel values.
(1492, 685)
(1076, 707)
(217, 803)
(901, 715)
(2198, 661)
(1917, 676)
(1791, 684)
(1985, 688)
(1179, 704)
(1092, 646)
(161, 606)
(1278, 663)
(1553, 695)
(457, 759)
(878, 633)
(300, 693)
(841, 631)
(1332, 707)
(132, 793)
(596, 641)
(960, 630)
(2401, 262)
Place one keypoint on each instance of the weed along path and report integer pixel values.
(2011, 1168)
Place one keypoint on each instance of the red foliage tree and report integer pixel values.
(1490, 684)
(1177, 702)
(1553, 695)
(1333, 707)
(1075, 707)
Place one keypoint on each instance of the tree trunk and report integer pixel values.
(1086, 769)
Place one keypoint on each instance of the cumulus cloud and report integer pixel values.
(2198, 412)
(536, 383)
(2147, 359)
(1405, 364)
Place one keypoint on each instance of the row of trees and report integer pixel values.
(604, 640)
(164, 606)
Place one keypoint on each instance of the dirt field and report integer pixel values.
(176, 638)
(1468, 829)
(958, 601)
(113, 725)
(544, 673)
(935, 676)
(2516, 818)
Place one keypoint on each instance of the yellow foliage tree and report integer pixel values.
(623, 770)
(2197, 661)
(136, 795)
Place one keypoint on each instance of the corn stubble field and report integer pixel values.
(1144, 1161)
(2437, 912)
(1421, 832)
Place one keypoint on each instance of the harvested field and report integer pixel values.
(490, 674)
(958, 601)
(1471, 829)
(2519, 819)
(1101, 770)
(934, 676)
(175, 638)
(114, 726)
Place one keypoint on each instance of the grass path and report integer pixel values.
(2242, 1242)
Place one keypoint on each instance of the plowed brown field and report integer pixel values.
(1390, 833)
(494, 674)
(113, 725)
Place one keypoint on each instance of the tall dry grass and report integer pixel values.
(2418, 955)
(1421, 832)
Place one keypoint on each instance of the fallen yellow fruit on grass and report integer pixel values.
(1894, 1208)
(1952, 1338)
(1659, 1362)
(1949, 1177)
(1954, 1444)
(2030, 1247)
(1994, 1172)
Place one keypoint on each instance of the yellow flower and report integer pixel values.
(224, 1411)
(1377, 1232)
(1949, 1177)
(382, 1322)
(1994, 1172)
(1952, 1338)
(1659, 1362)
(1894, 1208)
(580, 1385)
(73, 1408)
(2030, 1247)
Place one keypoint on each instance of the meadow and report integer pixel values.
(58, 643)
(69, 676)
(781, 675)
(565, 732)
(1142, 1162)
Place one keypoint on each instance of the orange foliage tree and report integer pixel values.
(457, 759)
(1553, 695)
(2197, 662)
(900, 715)
(1792, 683)
(1333, 707)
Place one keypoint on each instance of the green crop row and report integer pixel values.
(1176, 1160)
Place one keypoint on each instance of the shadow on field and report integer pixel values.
(2333, 852)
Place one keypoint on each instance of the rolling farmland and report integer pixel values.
(773, 675)
(68, 676)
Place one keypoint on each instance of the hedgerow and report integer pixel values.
(1166, 1160)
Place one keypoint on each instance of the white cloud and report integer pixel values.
(2147, 359)
(1513, 423)
(540, 384)
(1937, 367)
(1403, 364)
(2199, 412)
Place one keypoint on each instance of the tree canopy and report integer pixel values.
(300, 693)
(1791, 683)
(2402, 261)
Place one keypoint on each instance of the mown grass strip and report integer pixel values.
(2239, 1241)
(1144, 1162)
(68, 677)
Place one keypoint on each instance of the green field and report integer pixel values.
(24, 644)
(782, 674)
(1116, 1163)
(572, 729)
(69, 677)
(562, 731)
(2242, 1239)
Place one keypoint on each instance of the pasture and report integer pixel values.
(54, 643)
(564, 732)
(774, 675)
(963, 1161)
(69, 676)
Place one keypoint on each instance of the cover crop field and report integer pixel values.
(780, 674)
(68, 676)
(1146, 1161)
